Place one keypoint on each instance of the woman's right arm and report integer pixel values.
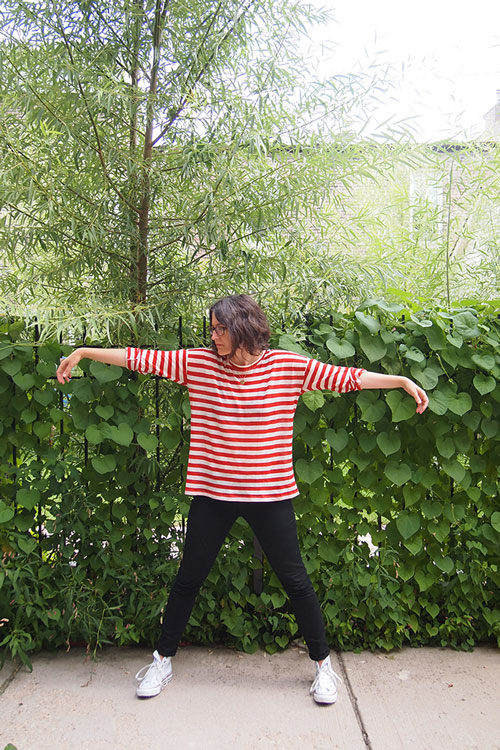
(108, 356)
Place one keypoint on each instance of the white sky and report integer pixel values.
(445, 53)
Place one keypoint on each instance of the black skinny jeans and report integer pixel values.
(273, 523)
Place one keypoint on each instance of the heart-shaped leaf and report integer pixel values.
(472, 420)
(435, 337)
(28, 415)
(105, 373)
(474, 493)
(26, 545)
(489, 427)
(414, 545)
(105, 412)
(427, 377)
(424, 580)
(338, 439)
(6, 513)
(486, 361)
(466, 324)
(398, 473)
(431, 509)
(381, 503)
(412, 493)
(5, 350)
(82, 390)
(461, 404)
(402, 406)
(11, 366)
(374, 412)
(445, 446)
(484, 384)
(408, 524)
(438, 402)
(308, 471)
(367, 441)
(495, 521)
(28, 497)
(44, 397)
(454, 469)
(486, 408)
(24, 382)
(455, 339)
(360, 459)
(171, 438)
(313, 400)
(289, 344)
(372, 407)
(104, 464)
(406, 571)
(124, 434)
(368, 321)
(445, 564)
(42, 429)
(148, 442)
(373, 347)
(341, 349)
(414, 355)
(388, 442)
(93, 434)
(433, 609)
(46, 369)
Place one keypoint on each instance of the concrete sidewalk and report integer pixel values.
(414, 699)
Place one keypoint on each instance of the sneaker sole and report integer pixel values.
(329, 700)
(164, 683)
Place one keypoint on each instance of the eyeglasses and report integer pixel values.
(219, 330)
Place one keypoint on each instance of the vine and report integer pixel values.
(398, 514)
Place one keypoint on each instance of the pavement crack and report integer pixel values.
(354, 702)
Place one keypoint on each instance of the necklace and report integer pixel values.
(254, 359)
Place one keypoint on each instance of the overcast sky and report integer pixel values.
(445, 56)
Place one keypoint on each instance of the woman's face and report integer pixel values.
(221, 338)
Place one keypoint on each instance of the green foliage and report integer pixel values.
(397, 514)
(157, 154)
(430, 221)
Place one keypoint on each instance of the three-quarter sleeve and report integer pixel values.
(319, 376)
(166, 364)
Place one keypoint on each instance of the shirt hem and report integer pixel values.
(208, 493)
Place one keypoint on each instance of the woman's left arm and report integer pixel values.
(379, 380)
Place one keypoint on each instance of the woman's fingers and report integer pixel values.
(63, 372)
(421, 399)
(418, 394)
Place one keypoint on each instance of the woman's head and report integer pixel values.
(245, 326)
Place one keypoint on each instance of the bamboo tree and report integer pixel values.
(157, 153)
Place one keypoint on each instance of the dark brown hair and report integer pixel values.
(245, 321)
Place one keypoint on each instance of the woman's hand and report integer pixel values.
(369, 379)
(63, 373)
(108, 356)
(417, 393)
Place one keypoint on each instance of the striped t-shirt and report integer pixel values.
(242, 416)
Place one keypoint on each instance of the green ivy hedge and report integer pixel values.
(398, 514)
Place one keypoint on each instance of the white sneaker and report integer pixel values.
(158, 675)
(324, 687)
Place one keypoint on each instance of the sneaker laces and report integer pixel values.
(326, 678)
(151, 673)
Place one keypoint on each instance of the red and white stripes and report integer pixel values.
(242, 416)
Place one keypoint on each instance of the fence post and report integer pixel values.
(258, 574)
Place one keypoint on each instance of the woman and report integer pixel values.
(243, 398)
